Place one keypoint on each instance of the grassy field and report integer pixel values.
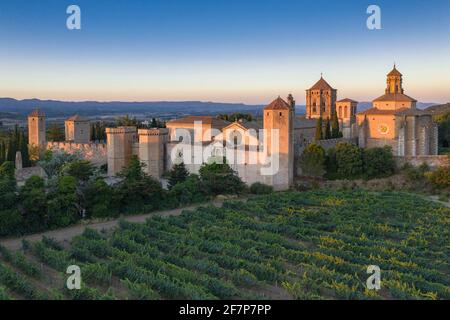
(311, 245)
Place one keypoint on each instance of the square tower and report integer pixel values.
(279, 123)
(320, 100)
(36, 129)
(119, 148)
(152, 150)
(78, 129)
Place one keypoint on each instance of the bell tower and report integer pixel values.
(394, 82)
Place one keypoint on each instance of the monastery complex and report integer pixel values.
(264, 152)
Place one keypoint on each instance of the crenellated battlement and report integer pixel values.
(93, 151)
(153, 132)
(121, 130)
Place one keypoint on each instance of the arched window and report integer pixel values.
(340, 111)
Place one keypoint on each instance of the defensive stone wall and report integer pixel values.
(433, 161)
(92, 151)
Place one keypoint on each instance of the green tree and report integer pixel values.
(443, 122)
(219, 178)
(328, 129)
(331, 164)
(11, 221)
(260, 188)
(127, 121)
(189, 191)
(55, 133)
(440, 178)
(100, 200)
(312, 161)
(319, 125)
(349, 161)
(23, 148)
(33, 201)
(54, 162)
(177, 174)
(63, 203)
(98, 131)
(82, 170)
(378, 162)
(335, 132)
(2, 152)
(138, 192)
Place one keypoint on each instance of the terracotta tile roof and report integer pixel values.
(214, 122)
(301, 123)
(37, 113)
(347, 100)
(395, 97)
(394, 72)
(246, 125)
(321, 85)
(398, 112)
(76, 118)
(278, 104)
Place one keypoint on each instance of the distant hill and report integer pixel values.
(162, 109)
(19, 109)
(439, 109)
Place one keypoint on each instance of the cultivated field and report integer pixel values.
(311, 245)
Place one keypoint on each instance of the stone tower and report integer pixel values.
(278, 119)
(394, 81)
(152, 143)
(320, 100)
(77, 129)
(119, 148)
(36, 129)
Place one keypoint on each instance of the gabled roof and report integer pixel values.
(214, 122)
(348, 100)
(245, 125)
(394, 72)
(398, 112)
(77, 118)
(321, 85)
(395, 97)
(37, 113)
(278, 104)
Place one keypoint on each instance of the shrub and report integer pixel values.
(312, 161)
(178, 174)
(378, 162)
(220, 178)
(189, 191)
(440, 178)
(260, 188)
(349, 161)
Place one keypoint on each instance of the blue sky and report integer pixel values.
(221, 50)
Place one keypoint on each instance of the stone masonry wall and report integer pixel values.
(94, 152)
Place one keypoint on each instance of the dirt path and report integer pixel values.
(65, 235)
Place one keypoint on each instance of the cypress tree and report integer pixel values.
(10, 151)
(319, 135)
(328, 129)
(178, 174)
(23, 147)
(2, 152)
(335, 126)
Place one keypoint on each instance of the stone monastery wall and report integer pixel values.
(94, 152)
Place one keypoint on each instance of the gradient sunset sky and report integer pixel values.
(221, 50)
